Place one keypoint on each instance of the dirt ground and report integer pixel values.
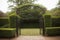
(52, 38)
(37, 38)
(34, 38)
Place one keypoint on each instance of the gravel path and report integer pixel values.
(34, 38)
(30, 38)
(53, 38)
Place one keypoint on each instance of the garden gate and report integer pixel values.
(37, 20)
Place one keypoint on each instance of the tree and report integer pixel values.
(31, 11)
(24, 5)
(56, 10)
(20, 2)
(58, 3)
(17, 3)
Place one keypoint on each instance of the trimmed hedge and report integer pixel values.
(12, 21)
(3, 22)
(7, 32)
(5, 26)
(29, 24)
(47, 21)
(53, 31)
(56, 22)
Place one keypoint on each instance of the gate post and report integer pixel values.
(47, 21)
(17, 21)
(16, 26)
(44, 30)
(42, 27)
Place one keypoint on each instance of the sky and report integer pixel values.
(49, 4)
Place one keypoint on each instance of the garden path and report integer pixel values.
(34, 38)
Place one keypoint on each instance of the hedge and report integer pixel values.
(56, 22)
(3, 22)
(50, 21)
(47, 21)
(7, 32)
(12, 21)
(5, 26)
(29, 25)
(53, 31)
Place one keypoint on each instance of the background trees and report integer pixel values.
(16, 3)
(27, 8)
(56, 10)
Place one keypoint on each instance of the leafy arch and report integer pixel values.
(30, 10)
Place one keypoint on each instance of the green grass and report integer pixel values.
(3, 17)
(7, 28)
(30, 31)
(52, 27)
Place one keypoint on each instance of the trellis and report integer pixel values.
(40, 18)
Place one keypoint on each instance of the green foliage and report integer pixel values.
(12, 21)
(55, 12)
(55, 22)
(7, 32)
(19, 2)
(47, 13)
(29, 24)
(3, 22)
(3, 17)
(11, 13)
(47, 21)
(58, 4)
(53, 31)
(5, 26)
(27, 10)
(30, 11)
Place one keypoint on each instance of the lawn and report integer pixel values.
(31, 31)
(7, 28)
(37, 31)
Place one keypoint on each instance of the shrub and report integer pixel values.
(5, 26)
(3, 22)
(7, 32)
(56, 22)
(53, 31)
(12, 21)
(47, 21)
(29, 23)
